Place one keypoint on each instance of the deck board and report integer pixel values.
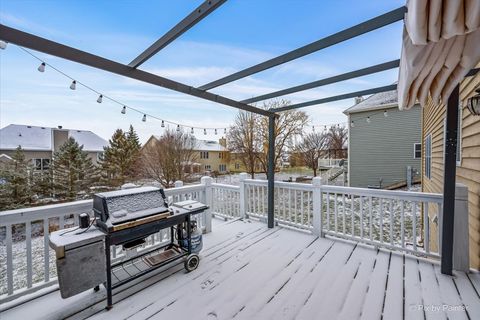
(250, 272)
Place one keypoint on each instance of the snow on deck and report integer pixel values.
(250, 272)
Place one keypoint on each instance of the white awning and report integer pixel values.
(441, 43)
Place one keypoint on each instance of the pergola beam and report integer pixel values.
(192, 19)
(352, 32)
(315, 84)
(336, 98)
(56, 49)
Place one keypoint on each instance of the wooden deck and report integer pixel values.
(251, 272)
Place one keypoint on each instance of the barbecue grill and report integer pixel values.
(126, 218)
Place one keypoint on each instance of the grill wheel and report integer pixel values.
(192, 262)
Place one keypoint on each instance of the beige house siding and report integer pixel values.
(214, 160)
(468, 170)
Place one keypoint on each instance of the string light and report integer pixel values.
(385, 113)
(178, 127)
(313, 128)
(191, 131)
(3, 44)
(225, 131)
(74, 83)
(205, 131)
(41, 67)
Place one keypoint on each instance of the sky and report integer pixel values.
(239, 34)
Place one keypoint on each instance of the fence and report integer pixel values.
(396, 220)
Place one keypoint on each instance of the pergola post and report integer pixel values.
(449, 182)
(271, 171)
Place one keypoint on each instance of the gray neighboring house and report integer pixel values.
(39, 143)
(383, 141)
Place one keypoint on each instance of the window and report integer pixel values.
(237, 166)
(417, 151)
(203, 154)
(222, 167)
(208, 167)
(99, 156)
(428, 156)
(41, 164)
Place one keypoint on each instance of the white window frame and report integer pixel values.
(428, 156)
(415, 150)
(34, 160)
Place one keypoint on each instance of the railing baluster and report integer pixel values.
(46, 251)
(381, 219)
(301, 208)
(335, 211)
(352, 197)
(309, 210)
(361, 217)
(9, 259)
(289, 205)
(391, 221)
(28, 243)
(370, 210)
(402, 222)
(426, 228)
(295, 205)
(439, 226)
(344, 213)
(328, 211)
(61, 222)
(414, 225)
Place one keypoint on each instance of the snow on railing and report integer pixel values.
(27, 263)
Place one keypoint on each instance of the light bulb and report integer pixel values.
(144, 118)
(205, 131)
(100, 99)
(191, 131)
(368, 119)
(385, 113)
(3, 45)
(124, 110)
(225, 131)
(41, 67)
(73, 86)
(215, 131)
(313, 128)
(163, 124)
(178, 127)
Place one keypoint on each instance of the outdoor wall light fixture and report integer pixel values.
(368, 119)
(352, 124)
(473, 104)
(385, 113)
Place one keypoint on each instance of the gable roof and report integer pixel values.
(200, 145)
(35, 138)
(376, 101)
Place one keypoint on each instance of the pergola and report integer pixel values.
(132, 70)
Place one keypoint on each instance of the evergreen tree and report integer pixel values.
(120, 158)
(73, 170)
(15, 190)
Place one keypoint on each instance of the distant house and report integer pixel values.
(383, 141)
(468, 160)
(210, 155)
(40, 143)
(236, 163)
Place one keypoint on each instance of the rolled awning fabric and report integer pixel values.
(441, 43)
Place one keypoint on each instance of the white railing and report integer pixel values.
(396, 220)
(28, 264)
(329, 162)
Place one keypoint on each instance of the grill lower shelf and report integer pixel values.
(160, 257)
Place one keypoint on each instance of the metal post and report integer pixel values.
(271, 170)
(449, 181)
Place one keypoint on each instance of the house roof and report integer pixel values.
(203, 145)
(376, 101)
(35, 138)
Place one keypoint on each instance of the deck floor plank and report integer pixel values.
(248, 271)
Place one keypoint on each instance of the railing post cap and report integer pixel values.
(178, 183)
(461, 192)
(243, 176)
(317, 181)
(206, 180)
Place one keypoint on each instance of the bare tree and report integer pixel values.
(337, 140)
(287, 125)
(165, 159)
(312, 148)
(243, 139)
